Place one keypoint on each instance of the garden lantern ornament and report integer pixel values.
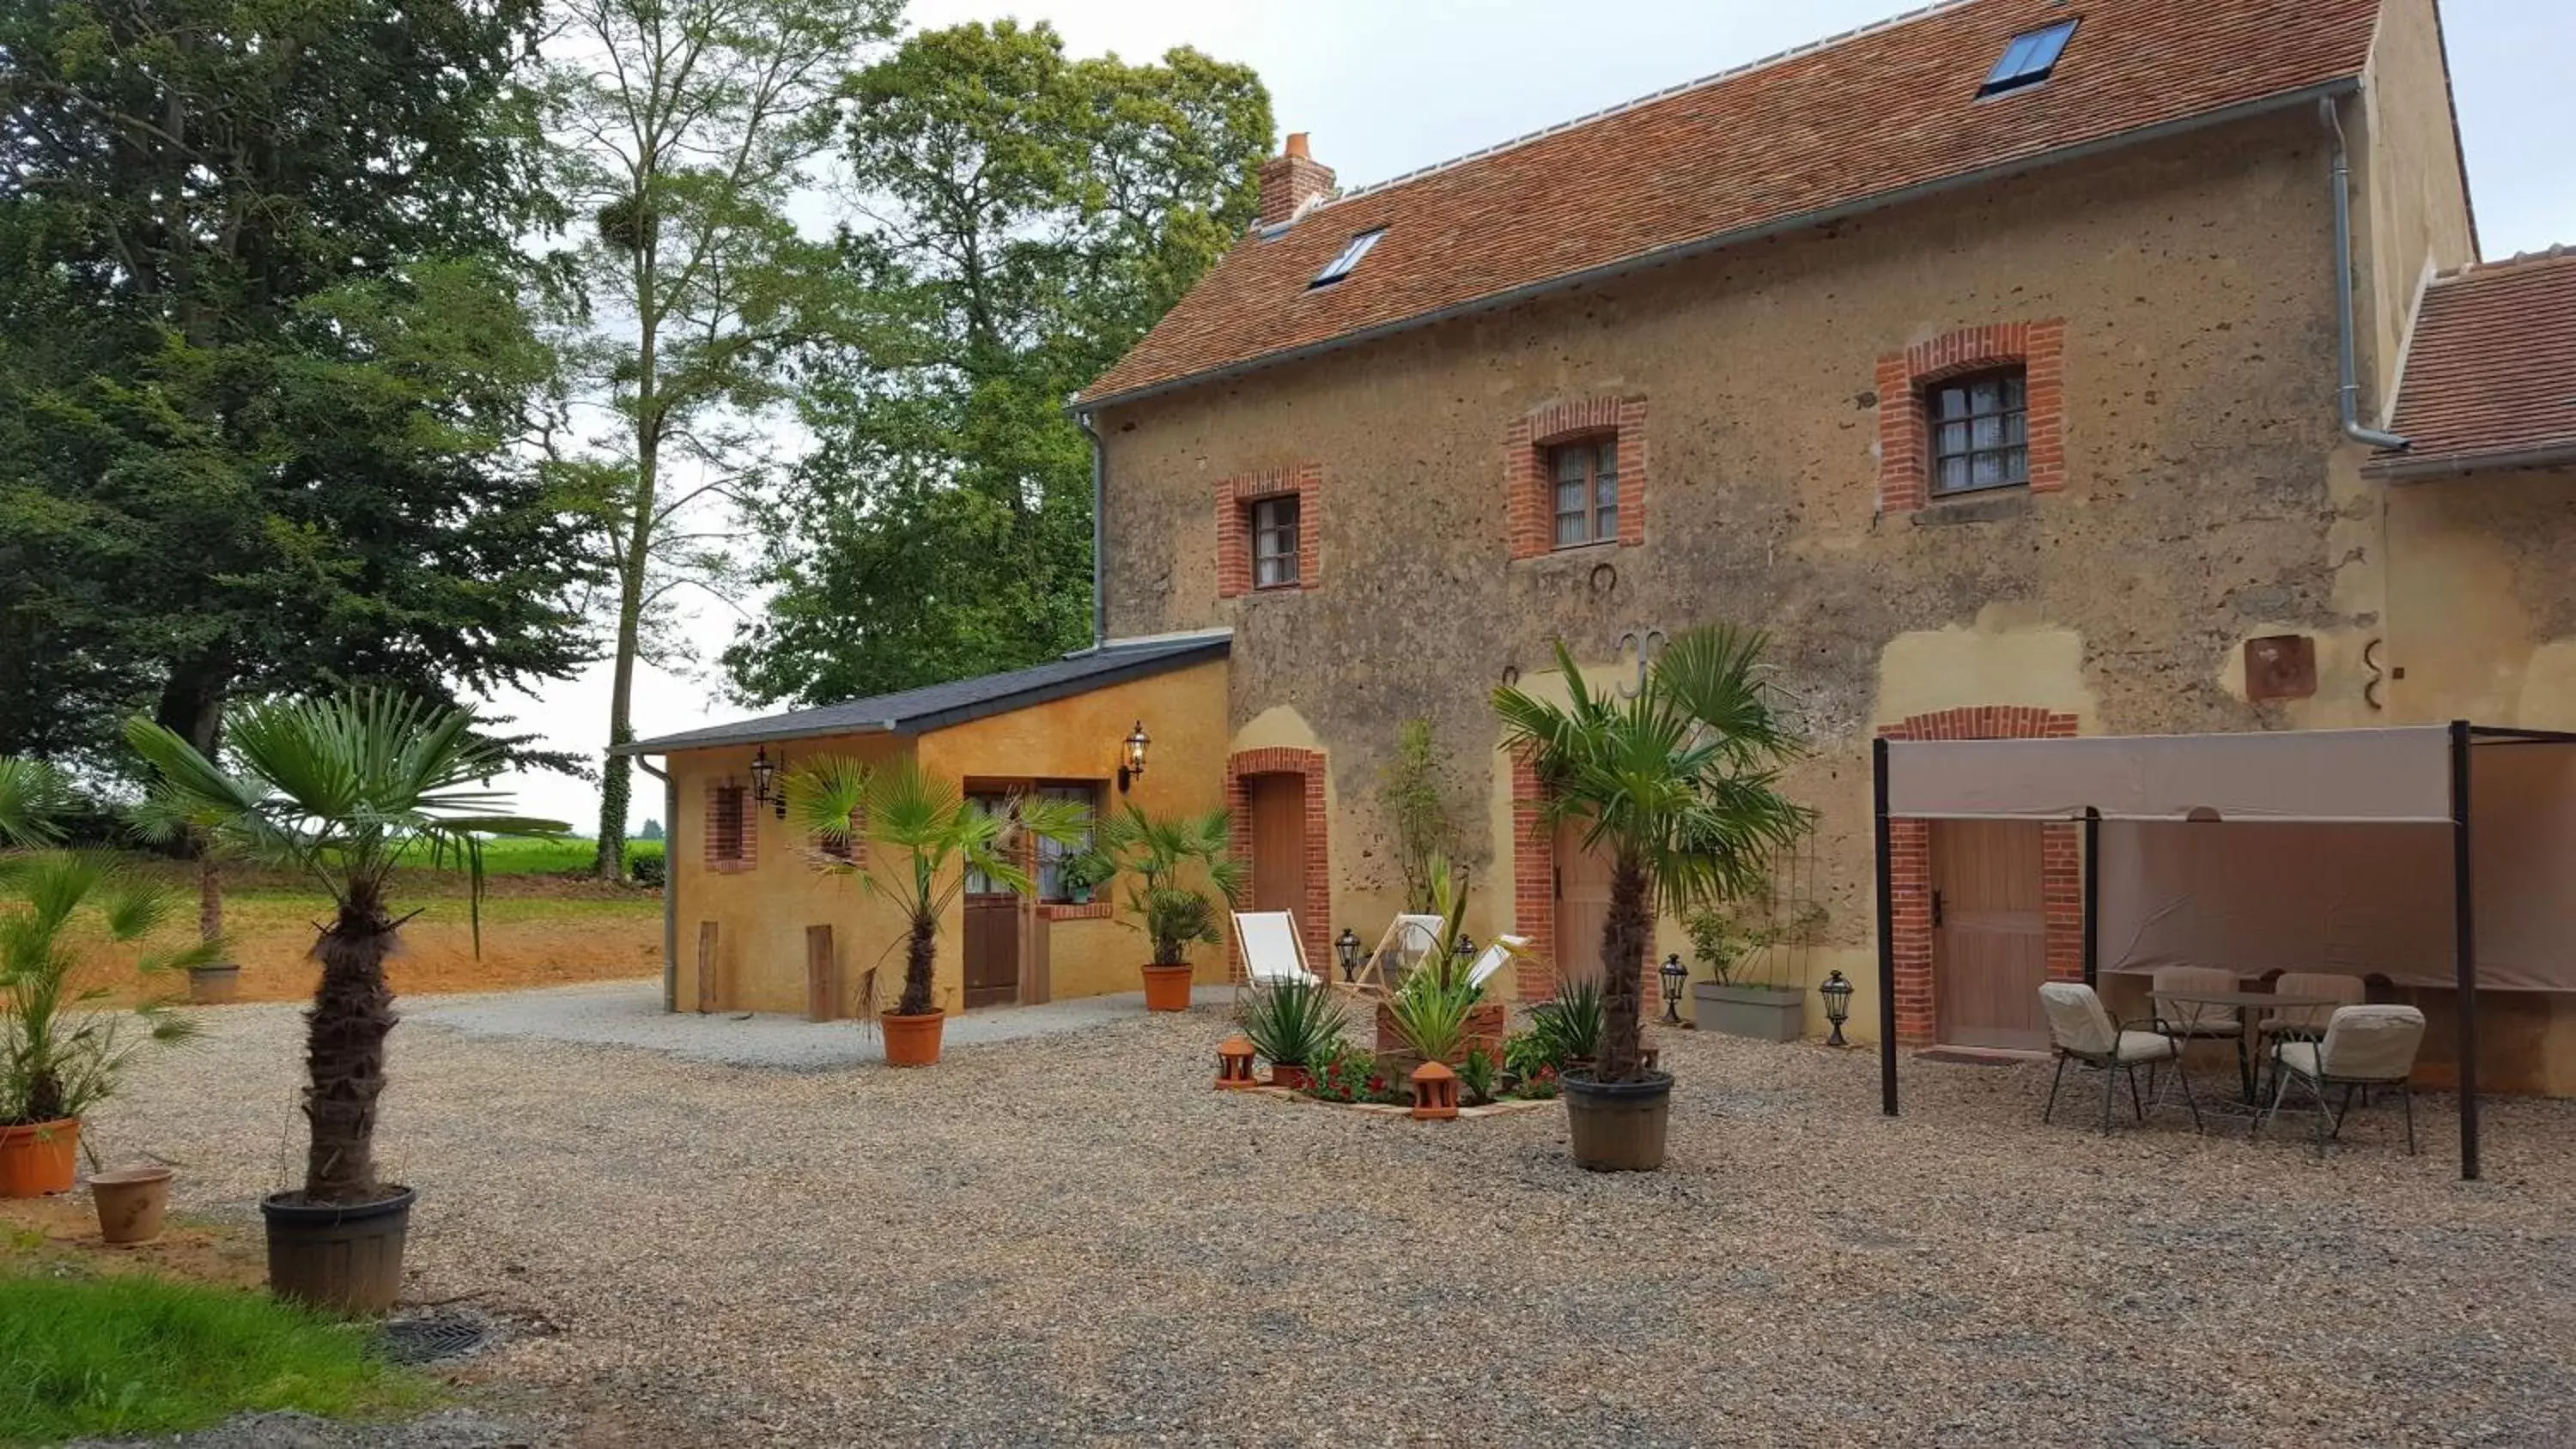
(1347, 946)
(1837, 992)
(1674, 974)
(1234, 1064)
(1131, 766)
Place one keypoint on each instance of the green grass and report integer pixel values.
(130, 1354)
(551, 857)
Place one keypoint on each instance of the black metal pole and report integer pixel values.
(1886, 931)
(2092, 896)
(2464, 950)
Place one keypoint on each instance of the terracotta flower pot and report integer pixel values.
(213, 985)
(1167, 988)
(912, 1041)
(39, 1158)
(1292, 1077)
(130, 1203)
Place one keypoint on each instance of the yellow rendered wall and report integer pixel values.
(761, 913)
(1080, 739)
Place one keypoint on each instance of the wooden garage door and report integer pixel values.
(1989, 937)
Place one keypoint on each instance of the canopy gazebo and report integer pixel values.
(2433, 856)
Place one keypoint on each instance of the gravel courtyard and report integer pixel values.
(1069, 1238)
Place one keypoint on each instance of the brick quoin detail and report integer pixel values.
(1905, 429)
(750, 857)
(1909, 866)
(1529, 489)
(1314, 926)
(1534, 896)
(1234, 500)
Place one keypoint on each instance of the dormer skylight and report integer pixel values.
(2029, 59)
(1340, 266)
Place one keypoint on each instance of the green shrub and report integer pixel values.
(647, 869)
(1352, 1074)
(1294, 1023)
(138, 1355)
(1569, 1028)
(1477, 1073)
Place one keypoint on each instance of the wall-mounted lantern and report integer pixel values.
(1131, 766)
(762, 773)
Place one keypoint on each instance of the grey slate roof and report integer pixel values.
(937, 706)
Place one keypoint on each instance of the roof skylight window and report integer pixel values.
(1340, 266)
(2029, 59)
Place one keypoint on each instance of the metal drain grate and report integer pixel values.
(434, 1336)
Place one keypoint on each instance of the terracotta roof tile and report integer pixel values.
(2491, 370)
(1883, 110)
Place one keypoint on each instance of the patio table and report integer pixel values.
(2193, 1006)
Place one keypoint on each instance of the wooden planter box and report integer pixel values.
(1485, 1027)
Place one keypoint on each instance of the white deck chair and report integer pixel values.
(1271, 950)
(1408, 939)
(1491, 963)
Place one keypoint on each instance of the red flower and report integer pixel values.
(1377, 1084)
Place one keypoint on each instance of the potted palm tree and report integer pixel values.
(1680, 786)
(924, 839)
(1166, 855)
(343, 790)
(65, 1046)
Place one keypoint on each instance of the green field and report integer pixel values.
(561, 856)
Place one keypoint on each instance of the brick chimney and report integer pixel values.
(1292, 182)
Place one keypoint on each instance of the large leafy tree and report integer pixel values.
(1025, 217)
(1680, 785)
(685, 128)
(263, 363)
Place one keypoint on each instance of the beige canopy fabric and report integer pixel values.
(2320, 850)
(2316, 775)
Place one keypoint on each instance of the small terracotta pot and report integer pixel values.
(40, 1158)
(1167, 988)
(213, 985)
(130, 1203)
(912, 1041)
(1295, 1079)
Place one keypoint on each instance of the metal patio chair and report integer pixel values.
(2082, 1031)
(2364, 1046)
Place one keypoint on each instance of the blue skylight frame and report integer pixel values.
(2029, 59)
(1341, 266)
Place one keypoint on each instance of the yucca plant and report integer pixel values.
(1431, 1007)
(1680, 785)
(924, 838)
(1166, 855)
(1568, 1029)
(343, 790)
(64, 1047)
(1294, 1023)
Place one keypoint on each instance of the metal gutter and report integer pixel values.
(1099, 497)
(670, 886)
(2404, 470)
(1720, 241)
(2348, 398)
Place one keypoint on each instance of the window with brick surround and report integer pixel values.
(1980, 431)
(728, 826)
(1949, 425)
(1585, 473)
(1274, 542)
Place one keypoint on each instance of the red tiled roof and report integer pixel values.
(1884, 110)
(2491, 370)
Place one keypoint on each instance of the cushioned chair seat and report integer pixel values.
(2298, 1056)
(2146, 1046)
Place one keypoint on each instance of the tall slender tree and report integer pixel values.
(1024, 216)
(685, 129)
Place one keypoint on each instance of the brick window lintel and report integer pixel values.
(1234, 499)
(1529, 488)
(1905, 433)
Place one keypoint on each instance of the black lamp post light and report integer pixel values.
(1347, 946)
(1837, 993)
(1675, 975)
(1463, 951)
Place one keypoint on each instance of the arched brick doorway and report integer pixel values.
(1274, 800)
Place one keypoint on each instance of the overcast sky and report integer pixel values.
(1385, 86)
